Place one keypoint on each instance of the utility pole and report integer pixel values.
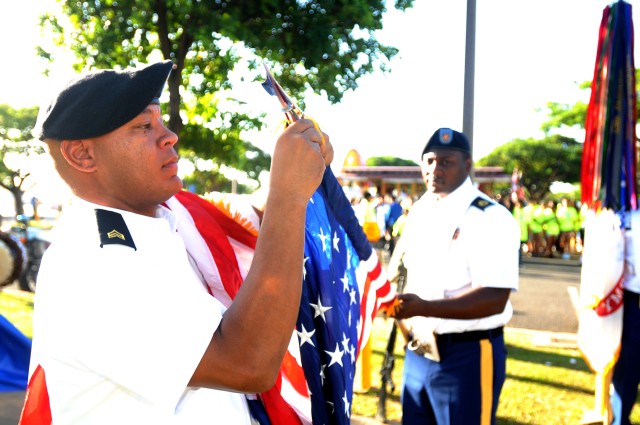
(469, 72)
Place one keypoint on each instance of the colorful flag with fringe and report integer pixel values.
(609, 152)
(609, 190)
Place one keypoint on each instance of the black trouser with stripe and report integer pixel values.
(463, 388)
(626, 373)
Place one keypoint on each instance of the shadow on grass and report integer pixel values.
(558, 385)
(374, 391)
(504, 421)
(522, 354)
(381, 353)
(542, 357)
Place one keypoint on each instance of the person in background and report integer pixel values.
(125, 329)
(358, 210)
(568, 219)
(577, 230)
(382, 212)
(626, 372)
(551, 227)
(398, 226)
(520, 216)
(536, 231)
(370, 225)
(461, 253)
(394, 211)
(527, 213)
(583, 211)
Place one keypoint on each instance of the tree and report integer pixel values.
(389, 161)
(565, 115)
(555, 158)
(209, 176)
(562, 115)
(321, 45)
(16, 148)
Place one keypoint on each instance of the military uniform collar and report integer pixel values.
(462, 196)
(161, 212)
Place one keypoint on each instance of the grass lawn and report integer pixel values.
(17, 307)
(546, 384)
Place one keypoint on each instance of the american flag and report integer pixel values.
(334, 319)
(344, 287)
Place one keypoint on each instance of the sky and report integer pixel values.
(528, 53)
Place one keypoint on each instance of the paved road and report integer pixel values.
(542, 303)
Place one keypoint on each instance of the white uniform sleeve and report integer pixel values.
(493, 259)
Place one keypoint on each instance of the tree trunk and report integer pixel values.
(17, 200)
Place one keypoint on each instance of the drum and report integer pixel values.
(13, 258)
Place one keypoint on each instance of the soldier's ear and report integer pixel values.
(79, 154)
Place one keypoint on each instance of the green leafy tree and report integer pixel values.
(555, 158)
(321, 45)
(17, 147)
(209, 176)
(562, 115)
(389, 161)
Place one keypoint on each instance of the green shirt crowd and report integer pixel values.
(550, 229)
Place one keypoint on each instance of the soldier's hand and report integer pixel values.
(409, 306)
(299, 160)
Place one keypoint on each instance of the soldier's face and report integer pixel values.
(444, 170)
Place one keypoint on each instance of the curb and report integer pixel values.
(575, 261)
(547, 338)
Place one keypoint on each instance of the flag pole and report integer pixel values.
(469, 72)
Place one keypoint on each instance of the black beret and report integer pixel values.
(446, 138)
(101, 101)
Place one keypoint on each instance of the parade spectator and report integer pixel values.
(394, 211)
(382, 212)
(358, 208)
(370, 217)
(398, 226)
(536, 230)
(550, 226)
(520, 216)
(583, 212)
(568, 220)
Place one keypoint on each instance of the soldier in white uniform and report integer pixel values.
(124, 330)
(626, 372)
(460, 249)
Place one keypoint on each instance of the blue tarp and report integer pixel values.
(15, 350)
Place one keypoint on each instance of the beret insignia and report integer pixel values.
(113, 230)
(481, 203)
(446, 135)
